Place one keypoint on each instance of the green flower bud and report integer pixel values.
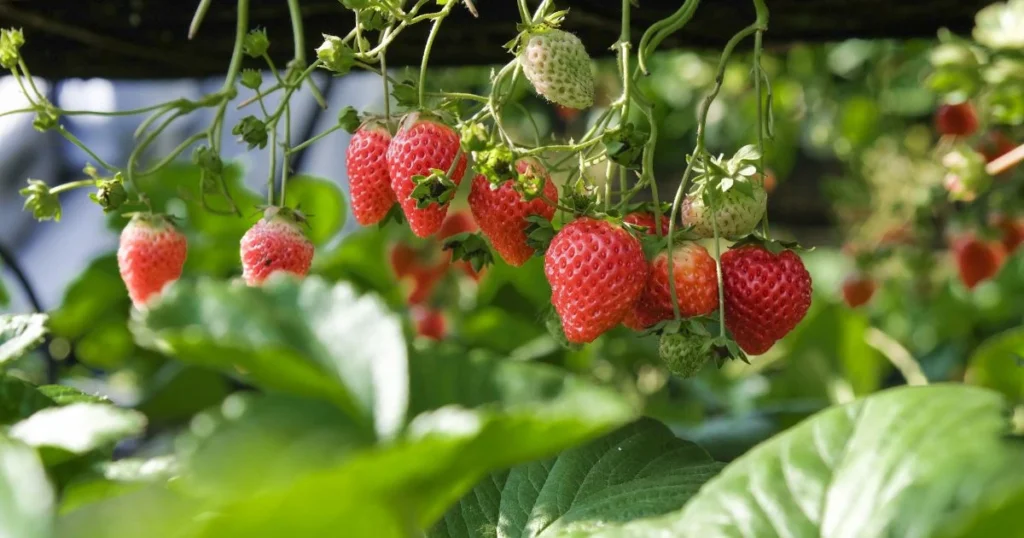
(252, 131)
(335, 55)
(46, 118)
(11, 41)
(110, 194)
(252, 79)
(44, 204)
(256, 43)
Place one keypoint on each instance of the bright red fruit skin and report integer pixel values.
(501, 213)
(956, 120)
(418, 148)
(858, 290)
(596, 272)
(151, 254)
(977, 260)
(766, 295)
(274, 244)
(369, 181)
(645, 219)
(696, 280)
(403, 259)
(430, 323)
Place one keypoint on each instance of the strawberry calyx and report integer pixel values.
(469, 247)
(434, 188)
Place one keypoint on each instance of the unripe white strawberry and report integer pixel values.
(557, 64)
(737, 213)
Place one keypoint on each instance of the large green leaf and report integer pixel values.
(97, 293)
(19, 399)
(26, 498)
(283, 436)
(640, 470)
(479, 415)
(322, 201)
(999, 364)
(20, 334)
(308, 338)
(905, 462)
(78, 428)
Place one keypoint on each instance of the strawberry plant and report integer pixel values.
(527, 336)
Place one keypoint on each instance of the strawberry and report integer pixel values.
(977, 260)
(502, 212)
(956, 120)
(684, 354)
(696, 280)
(766, 295)
(403, 260)
(457, 223)
(646, 219)
(425, 279)
(557, 64)
(858, 289)
(150, 256)
(369, 181)
(994, 145)
(596, 271)
(1012, 231)
(430, 323)
(423, 145)
(275, 243)
(737, 213)
(769, 181)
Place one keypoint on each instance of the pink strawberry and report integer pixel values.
(423, 145)
(151, 254)
(275, 243)
(502, 212)
(369, 182)
(596, 271)
(766, 295)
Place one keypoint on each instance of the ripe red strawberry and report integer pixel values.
(994, 145)
(766, 295)
(597, 272)
(770, 181)
(457, 223)
(1012, 230)
(403, 259)
(956, 120)
(419, 147)
(502, 212)
(425, 279)
(645, 219)
(430, 323)
(977, 260)
(369, 182)
(696, 281)
(275, 243)
(858, 289)
(151, 255)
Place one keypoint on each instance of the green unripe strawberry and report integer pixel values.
(684, 354)
(737, 213)
(558, 66)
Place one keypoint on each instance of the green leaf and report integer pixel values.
(19, 399)
(78, 428)
(65, 395)
(19, 334)
(999, 364)
(5, 298)
(308, 338)
(640, 470)
(26, 498)
(903, 462)
(283, 436)
(97, 293)
(322, 202)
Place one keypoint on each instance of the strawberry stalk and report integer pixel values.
(426, 50)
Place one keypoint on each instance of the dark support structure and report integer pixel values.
(141, 39)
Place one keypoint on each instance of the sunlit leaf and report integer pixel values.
(20, 334)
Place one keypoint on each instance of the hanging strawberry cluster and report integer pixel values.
(609, 260)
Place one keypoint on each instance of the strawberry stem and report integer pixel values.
(426, 50)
